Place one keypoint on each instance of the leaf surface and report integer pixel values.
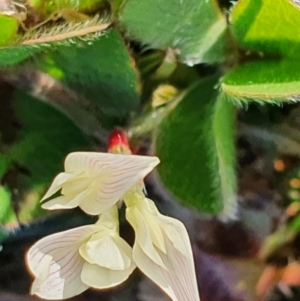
(196, 149)
(102, 71)
(194, 29)
(264, 82)
(268, 26)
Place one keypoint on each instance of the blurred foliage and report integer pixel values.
(7, 215)
(9, 28)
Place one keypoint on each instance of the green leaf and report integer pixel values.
(264, 82)
(194, 29)
(6, 212)
(102, 71)
(47, 136)
(116, 5)
(269, 26)
(4, 163)
(16, 54)
(49, 38)
(196, 148)
(8, 29)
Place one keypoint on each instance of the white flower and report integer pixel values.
(67, 263)
(162, 249)
(96, 181)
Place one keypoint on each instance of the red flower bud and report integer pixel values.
(118, 142)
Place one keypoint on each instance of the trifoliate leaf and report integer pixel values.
(194, 29)
(196, 147)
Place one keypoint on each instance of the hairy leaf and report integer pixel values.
(268, 26)
(50, 38)
(196, 148)
(13, 55)
(264, 82)
(194, 29)
(102, 71)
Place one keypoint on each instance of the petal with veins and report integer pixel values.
(100, 277)
(57, 264)
(143, 234)
(94, 204)
(95, 162)
(159, 236)
(117, 174)
(105, 177)
(178, 281)
(63, 280)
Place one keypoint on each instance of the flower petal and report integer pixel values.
(110, 219)
(177, 234)
(65, 202)
(95, 162)
(152, 271)
(78, 184)
(58, 183)
(93, 203)
(159, 236)
(116, 174)
(57, 264)
(143, 235)
(151, 216)
(109, 251)
(178, 280)
(100, 277)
